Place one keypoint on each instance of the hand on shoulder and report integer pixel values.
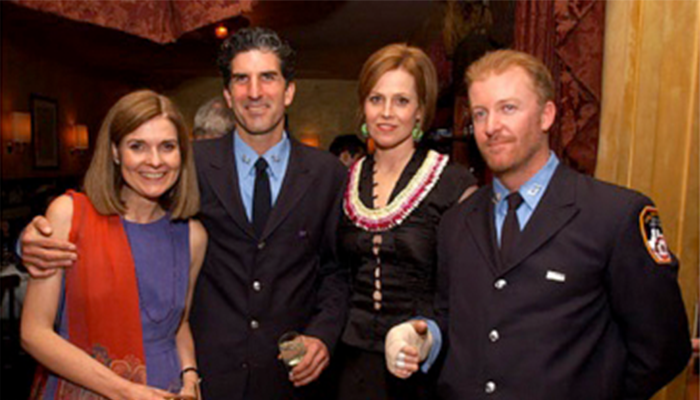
(44, 242)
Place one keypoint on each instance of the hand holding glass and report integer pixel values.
(292, 348)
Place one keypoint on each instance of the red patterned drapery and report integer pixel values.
(568, 36)
(162, 21)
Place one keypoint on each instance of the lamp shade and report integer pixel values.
(21, 127)
(310, 139)
(81, 137)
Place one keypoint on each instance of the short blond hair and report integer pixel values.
(414, 61)
(104, 181)
(498, 62)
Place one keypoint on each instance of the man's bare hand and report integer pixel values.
(406, 346)
(41, 254)
(314, 362)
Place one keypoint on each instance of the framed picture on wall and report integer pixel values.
(45, 140)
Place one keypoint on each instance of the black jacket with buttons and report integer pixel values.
(251, 290)
(581, 311)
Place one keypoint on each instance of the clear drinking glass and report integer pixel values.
(292, 348)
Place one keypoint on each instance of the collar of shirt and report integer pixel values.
(532, 192)
(277, 158)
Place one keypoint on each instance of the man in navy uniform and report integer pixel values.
(553, 285)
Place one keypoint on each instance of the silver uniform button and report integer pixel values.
(490, 387)
(500, 284)
(261, 245)
(494, 336)
(257, 286)
(254, 324)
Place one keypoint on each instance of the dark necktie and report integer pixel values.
(262, 197)
(511, 228)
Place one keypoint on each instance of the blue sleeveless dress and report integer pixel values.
(161, 251)
(161, 254)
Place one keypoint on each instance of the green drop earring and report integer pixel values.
(417, 132)
(365, 132)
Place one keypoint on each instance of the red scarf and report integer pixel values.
(102, 300)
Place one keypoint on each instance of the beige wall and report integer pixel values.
(193, 93)
(649, 126)
(327, 108)
(323, 107)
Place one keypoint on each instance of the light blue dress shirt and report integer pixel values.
(277, 158)
(532, 192)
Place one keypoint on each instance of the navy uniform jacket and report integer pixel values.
(250, 291)
(582, 311)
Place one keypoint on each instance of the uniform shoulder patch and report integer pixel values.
(653, 236)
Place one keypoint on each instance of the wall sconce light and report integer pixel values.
(21, 132)
(80, 139)
(311, 139)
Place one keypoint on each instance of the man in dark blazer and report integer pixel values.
(255, 285)
(265, 273)
(553, 285)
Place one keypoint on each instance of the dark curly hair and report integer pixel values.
(257, 38)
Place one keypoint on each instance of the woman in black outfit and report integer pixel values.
(393, 204)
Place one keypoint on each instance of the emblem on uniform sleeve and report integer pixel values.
(650, 226)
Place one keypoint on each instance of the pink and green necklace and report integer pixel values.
(394, 213)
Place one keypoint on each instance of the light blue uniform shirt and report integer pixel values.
(532, 192)
(277, 158)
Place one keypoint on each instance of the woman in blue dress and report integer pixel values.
(115, 324)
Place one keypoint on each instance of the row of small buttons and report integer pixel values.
(490, 386)
(257, 286)
(499, 285)
(494, 336)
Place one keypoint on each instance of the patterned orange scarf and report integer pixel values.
(102, 302)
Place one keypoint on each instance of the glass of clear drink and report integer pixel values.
(292, 348)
